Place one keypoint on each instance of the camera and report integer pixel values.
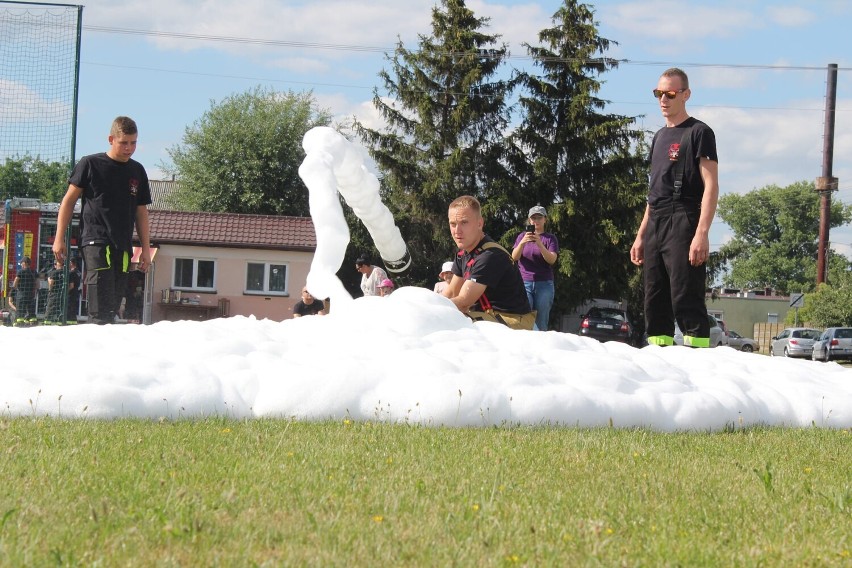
(531, 228)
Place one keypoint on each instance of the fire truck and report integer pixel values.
(29, 228)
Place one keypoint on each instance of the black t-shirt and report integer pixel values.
(494, 268)
(111, 192)
(664, 151)
(26, 283)
(58, 277)
(312, 309)
(73, 278)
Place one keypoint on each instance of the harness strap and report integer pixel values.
(484, 302)
(681, 160)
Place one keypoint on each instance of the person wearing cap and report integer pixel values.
(22, 300)
(371, 276)
(535, 252)
(486, 284)
(445, 276)
(385, 287)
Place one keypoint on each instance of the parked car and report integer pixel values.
(717, 334)
(606, 324)
(794, 342)
(741, 343)
(724, 326)
(834, 343)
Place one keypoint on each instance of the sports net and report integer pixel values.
(38, 77)
(39, 62)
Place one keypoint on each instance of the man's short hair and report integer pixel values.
(466, 202)
(123, 125)
(676, 72)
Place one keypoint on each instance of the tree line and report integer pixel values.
(455, 123)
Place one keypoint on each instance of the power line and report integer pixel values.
(485, 53)
(219, 75)
(239, 40)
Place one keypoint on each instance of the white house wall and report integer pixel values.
(230, 280)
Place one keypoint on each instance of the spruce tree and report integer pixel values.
(444, 137)
(584, 165)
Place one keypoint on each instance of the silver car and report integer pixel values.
(741, 343)
(834, 343)
(794, 342)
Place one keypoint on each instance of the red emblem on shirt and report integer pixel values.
(674, 152)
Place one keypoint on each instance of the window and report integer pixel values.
(266, 278)
(194, 274)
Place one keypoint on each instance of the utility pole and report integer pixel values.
(825, 184)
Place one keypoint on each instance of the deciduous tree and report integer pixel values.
(831, 304)
(776, 231)
(243, 155)
(33, 177)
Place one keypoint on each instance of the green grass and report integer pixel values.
(220, 492)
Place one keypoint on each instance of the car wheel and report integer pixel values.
(786, 353)
(747, 348)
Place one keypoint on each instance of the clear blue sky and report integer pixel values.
(757, 69)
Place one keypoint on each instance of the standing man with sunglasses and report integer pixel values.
(672, 244)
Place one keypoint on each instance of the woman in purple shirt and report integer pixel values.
(535, 252)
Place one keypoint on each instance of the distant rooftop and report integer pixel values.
(232, 230)
(160, 191)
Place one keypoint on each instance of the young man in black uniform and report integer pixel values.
(24, 294)
(73, 291)
(486, 284)
(673, 243)
(55, 290)
(115, 193)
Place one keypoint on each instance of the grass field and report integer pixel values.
(221, 492)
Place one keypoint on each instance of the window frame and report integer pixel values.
(267, 268)
(195, 262)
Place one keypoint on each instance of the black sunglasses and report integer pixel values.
(669, 94)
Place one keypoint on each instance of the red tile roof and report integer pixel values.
(232, 230)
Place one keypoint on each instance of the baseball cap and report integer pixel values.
(537, 210)
(447, 267)
(386, 283)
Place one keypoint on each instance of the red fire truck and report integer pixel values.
(29, 227)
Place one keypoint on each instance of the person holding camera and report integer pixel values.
(535, 252)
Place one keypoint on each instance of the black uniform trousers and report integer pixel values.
(674, 289)
(106, 281)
